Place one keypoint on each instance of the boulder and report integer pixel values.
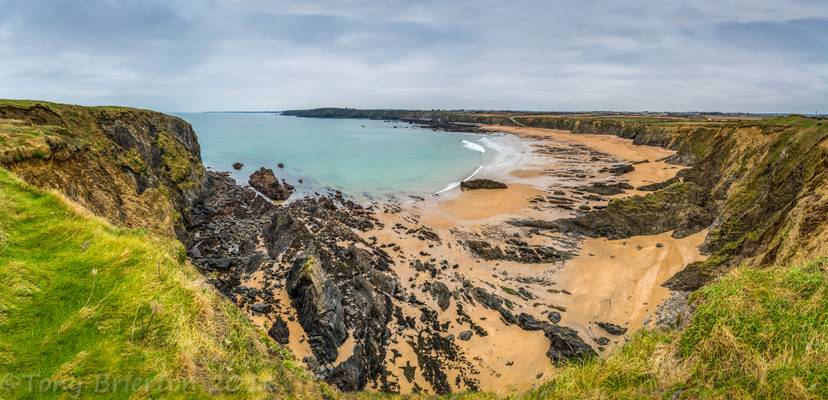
(554, 316)
(474, 184)
(566, 345)
(237, 165)
(607, 188)
(279, 331)
(265, 181)
(602, 340)
(440, 292)
(619, 169)
(611, 328)
(465, 335)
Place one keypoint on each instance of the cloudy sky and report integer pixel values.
(187, 55)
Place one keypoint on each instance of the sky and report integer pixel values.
(562, 55)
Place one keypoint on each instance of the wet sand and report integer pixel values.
(645, 173)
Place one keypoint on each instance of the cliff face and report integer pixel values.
(767, 178)
(136, 167)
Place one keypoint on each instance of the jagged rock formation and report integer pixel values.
(265, 181)
(319, 305)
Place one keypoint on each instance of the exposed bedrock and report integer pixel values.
(338, 284)
(319, 306)
(517, 251)
(683, 207)
(564, 343)
(474, 184)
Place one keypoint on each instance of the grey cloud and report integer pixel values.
(737, 55)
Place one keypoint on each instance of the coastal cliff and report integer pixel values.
(765, 179)
(138, 168)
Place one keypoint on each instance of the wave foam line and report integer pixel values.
(473, 146)
(456, 184)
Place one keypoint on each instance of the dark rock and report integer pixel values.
(607, 188)
(619, 169)
(494, 302)
(474, 184)
(319, 306)
(529, 323)
(265, 181)
(611, 328)
(237, 165)
(466, 335)
(260, 308)
(683, 207)
(517, 252)
(692, 277)
(602, 340)
(441, 293)
(652, 187)
(279, 331)
(554, 316)
(566, 345)
(280, 165)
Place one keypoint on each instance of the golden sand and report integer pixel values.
(617, 281)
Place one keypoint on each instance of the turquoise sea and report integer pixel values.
(366, 159)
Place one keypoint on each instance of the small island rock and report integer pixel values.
(265, 181)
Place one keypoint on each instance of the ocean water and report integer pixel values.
(363, 158)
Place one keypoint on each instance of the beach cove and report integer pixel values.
(484, 282)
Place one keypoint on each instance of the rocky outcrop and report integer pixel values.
(265, 181)
(607, 188)
(474, 184)
(517, 251)
(565, 345)
(683, 208)
(319, 306)
(611, 328)
(136, 168)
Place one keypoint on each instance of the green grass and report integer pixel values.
(756, 333)
(84, 305)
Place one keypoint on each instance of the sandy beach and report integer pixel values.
(613, 281)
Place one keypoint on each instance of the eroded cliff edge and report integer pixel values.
(137, 168)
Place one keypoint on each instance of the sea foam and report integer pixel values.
(473, 146)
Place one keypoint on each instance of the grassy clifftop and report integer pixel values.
(137, 167)
(756, 333)
(90, 310)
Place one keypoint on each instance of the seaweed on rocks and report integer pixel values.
(683, 207)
